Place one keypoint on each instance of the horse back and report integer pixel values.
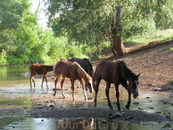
(108, 71)
(40, 69)
(62, 68)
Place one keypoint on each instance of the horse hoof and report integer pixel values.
(96, 106)
(120, 109)
(54, 94)
(111, 107)
(127, 107)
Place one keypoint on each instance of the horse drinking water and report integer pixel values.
(37, 69)
(117, 73)
(74, 71)
(86, 65)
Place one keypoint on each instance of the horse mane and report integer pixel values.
(90, 66)
(79, 70)
(126, 72)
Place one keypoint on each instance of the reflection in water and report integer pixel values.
(73, 124)
(86, 124)
(13, 72)
(79, 124)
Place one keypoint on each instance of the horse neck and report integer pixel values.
(86, 78)
(83, 74)
(126, 72)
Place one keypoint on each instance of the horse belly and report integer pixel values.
(107, 76)
(66, 73)
(39, 70)
(108, 80)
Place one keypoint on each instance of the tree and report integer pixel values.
(93, 21)
(11, 13)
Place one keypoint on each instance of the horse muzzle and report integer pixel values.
(135, 95)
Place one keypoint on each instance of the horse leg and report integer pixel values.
(117, 96)
(42, 81)
(56, 80)
(32, 80)
(129, 99)
(62, 85)
(107, 94)
(81, 82)
(129, 94)
(46, 81)
(72, 87)
(96, 91)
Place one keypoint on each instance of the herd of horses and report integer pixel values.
(82, 70)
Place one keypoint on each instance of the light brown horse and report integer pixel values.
(37, 69)
(74, 71)
(86, 65)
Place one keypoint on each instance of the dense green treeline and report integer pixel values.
(23, 41)
(82, 28)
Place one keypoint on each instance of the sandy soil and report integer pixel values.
(156, 68)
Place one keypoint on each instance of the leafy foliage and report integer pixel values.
(89, 22)
(23, 41)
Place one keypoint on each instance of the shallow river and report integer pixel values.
(15, 92)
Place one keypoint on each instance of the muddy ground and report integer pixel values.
(156, 68)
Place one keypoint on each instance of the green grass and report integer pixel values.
(157, 36)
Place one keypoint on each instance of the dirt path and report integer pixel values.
(155, 65)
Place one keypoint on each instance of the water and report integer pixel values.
(15, 92)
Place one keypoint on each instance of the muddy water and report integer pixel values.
(16, 93)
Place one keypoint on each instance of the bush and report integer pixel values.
(12, 60)
(140, 28)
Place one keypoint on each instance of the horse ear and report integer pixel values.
(138, 75)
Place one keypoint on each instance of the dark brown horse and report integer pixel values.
(74, 71)
(117, 73)
(86, 65)
(37, 69)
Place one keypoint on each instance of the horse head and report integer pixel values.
(89, 85)
(133, 84)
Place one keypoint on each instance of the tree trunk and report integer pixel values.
(118, 44)
(116, 32)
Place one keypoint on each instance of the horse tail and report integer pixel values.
(54, 69)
